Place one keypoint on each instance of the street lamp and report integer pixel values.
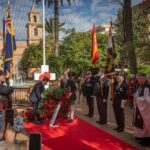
(44, 58)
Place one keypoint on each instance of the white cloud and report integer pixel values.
(104, 10)
(80, 23)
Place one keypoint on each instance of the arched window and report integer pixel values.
(36, 31)
(34, 18)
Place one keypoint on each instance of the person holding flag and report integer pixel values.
(110, 62)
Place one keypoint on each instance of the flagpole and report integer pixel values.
(44, 58)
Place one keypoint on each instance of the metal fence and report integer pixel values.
(21, 93)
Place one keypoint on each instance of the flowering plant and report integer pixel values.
(51, 98)
(28, 115)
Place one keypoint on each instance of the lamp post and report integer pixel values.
(44, 58)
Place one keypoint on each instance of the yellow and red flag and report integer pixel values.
(94, 52)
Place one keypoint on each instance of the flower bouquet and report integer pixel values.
(51, 98)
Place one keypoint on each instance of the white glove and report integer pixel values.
(104, 100)
(11, 82)
(123, 103)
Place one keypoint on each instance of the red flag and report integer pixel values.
(94, 52)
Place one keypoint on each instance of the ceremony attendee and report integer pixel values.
(101, 90)
(132, 87)
(72, 87)
(5, 93)
(63, 82)
(120, 100)
(5, 90)
(142, 110)
(80, 88)
(88, 86)
(36, 96)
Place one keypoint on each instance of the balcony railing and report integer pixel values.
(21, 93)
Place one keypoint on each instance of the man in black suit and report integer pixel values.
(36, 97)
(72, 87)
(5, 91)
(120, 101)
(88, 88)
(101, 90)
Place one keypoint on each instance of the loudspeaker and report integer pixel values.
(35, 141)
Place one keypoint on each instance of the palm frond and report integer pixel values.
(50, 2)
(61, 1)
(69, 2)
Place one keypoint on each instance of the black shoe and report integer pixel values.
(87, 114)
(120, 130)
(70, 120)
(98, 121)
(116, 128)
(102, 123)
(37, 122)
(90, 116)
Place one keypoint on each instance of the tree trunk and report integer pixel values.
(56, 18)
(128, 36)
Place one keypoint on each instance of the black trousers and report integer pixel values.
(119, 113)
(102, 109)
(35, 107)
(90, 104)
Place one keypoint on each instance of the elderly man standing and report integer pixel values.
(119, 102)
(142, 110)
(101, 91)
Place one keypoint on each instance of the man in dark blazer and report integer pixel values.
(88, 88)
(72, 87)
(101, 90)
(36, 97)
(120, 101)
(5, 91)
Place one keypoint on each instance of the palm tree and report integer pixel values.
(128, 40)
(128, 36)
(50, 27)
(56, 20)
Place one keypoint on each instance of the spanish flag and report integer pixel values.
(9, 44)
(94, 52)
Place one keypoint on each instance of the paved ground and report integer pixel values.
(81, 110)
(127, 135)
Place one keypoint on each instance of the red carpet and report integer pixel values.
(78, 135)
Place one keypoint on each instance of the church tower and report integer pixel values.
(34, 27)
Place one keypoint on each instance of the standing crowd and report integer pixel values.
(133, 92)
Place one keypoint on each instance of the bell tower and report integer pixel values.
(34, 27)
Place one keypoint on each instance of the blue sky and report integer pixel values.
(80, 15)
